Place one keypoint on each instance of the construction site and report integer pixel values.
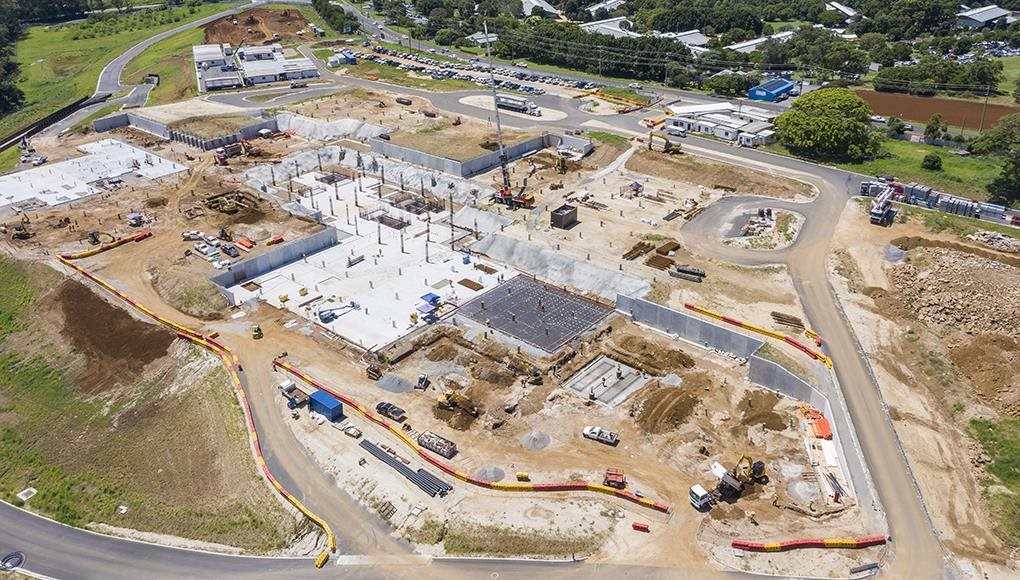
(538, 360)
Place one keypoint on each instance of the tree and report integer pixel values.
(895, 126)
(932, 162)
(1016, 91)
(676, 75)
(997, 140)
(936, 128)
(828, 124)
(446, 37)
(732, 84)
(1005, 188)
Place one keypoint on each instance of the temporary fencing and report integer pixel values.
(845, 543)
(462, 475)
(229, 360)
(770, 333)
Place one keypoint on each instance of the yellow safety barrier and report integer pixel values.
(773, 547)
(229, 360)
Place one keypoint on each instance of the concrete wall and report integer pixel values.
(281, 255)
(468, 168)
(160, 129)
(111, 122)
(688, 327)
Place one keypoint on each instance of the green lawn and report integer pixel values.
(961, 175)
(610, 138)
(171, 59)
(85, 125)
(937, 222)
(61, 63)
(9, 159)
(780, 25)
(1001, 440)
(625, 93)
(1010, 73)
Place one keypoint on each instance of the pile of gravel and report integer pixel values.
(394, 384)
(535, 441)
(489, 473)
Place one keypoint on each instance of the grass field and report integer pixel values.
(937, 222)
(60, 64)
(168, 443)
(780, 25)
(390, 74)
(610, 138)
(1010, 73)
(961, 175)
(85, 125)
(1001, 440)
(625, 93)
(9, 159)
(171, 60)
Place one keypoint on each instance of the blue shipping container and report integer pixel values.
(326, 405)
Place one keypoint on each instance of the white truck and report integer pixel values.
(517, 104)
(700, 498)
(601, 435)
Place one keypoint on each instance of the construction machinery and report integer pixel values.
(732, 481)
(452, 400)
(614, 478)
(225, 235)
(668, 146)
(374, 372)
(505, 195)
(256, 331)
(749, 470)
(700, 497)
(20, 231)
(94, 238)
(423, 382)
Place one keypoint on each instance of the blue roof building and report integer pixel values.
(326, 405)
(772, 90)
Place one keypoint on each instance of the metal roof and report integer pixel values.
(985, 13)
(207, 52)
(775, 85)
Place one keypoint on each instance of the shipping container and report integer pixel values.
(326, 405)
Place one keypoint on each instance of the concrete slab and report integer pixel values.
(74, 179)
(610, 381)
(541, 315)
(373, 282)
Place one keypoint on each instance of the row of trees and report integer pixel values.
(336, 17)
(11, 96)
(934, 73)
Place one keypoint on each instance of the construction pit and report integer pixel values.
(695, 406)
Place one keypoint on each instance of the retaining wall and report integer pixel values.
(282, 255)
(162, 130)
(688, 327)
(468, 168)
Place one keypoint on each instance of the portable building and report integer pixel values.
(772, 90)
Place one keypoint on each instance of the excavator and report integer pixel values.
(256, 331)
(452, 400)
(668, 147)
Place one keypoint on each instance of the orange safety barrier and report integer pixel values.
(813, 354)
(842, 543)
(228, 358)
(448, 469)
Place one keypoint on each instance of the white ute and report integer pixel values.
(601, 435)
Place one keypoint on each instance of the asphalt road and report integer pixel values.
(59, 551)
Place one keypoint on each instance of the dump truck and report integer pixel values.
(601, 435)
(700, 497)
(615, 478)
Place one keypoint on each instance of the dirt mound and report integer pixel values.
(492, 373)
(264, 23)
(664, 408)
(712, 174)
(442, 351)
(116, 346)
(154, 202)
(652, 357)
(989, 361)
(189, 293)
(458, 419)
(911, 242)
(758, 408)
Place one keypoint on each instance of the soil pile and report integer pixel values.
(442, 351)
(264, 23)
(650, 357)
(714, 175)
(664, 408)
(491, 373)
(989, 361)
(758, 408)
(950, 289)
(116, 346)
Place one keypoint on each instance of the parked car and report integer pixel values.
(230, 251)
(39, 160)
(636, 86)
(601, 435)
(352, 431)
(193, 235)
(390, 410)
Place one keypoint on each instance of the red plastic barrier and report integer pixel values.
(799, 544)
(641, 527)
(732, 321)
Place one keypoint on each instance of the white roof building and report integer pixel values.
(749, 46)
(208, 55)
(847, 11)
(611, 27)
(688, 37)
(608, 5)
(264, 52)
(530, 5)
(984, 16)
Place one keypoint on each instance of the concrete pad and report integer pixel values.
(74, 179)
(611, 381)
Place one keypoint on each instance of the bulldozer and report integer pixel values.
(256, 331)
(452, 400)
(374, 372)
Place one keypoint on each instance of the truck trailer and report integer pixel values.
(517, 104)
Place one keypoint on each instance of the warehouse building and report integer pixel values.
(267, 52)
(607, 5)
(618, 27)
(278, 69)
(224, 77)
(211, 55)
(749, 46)
(772, 90)
(983, 17)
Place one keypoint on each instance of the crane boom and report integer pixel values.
(499, 127)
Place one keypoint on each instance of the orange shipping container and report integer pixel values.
(821, 429)
(246, 243)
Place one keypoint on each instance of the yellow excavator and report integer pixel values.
(452, 400)
(748, 470)
(668, 147)
(256, 331)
